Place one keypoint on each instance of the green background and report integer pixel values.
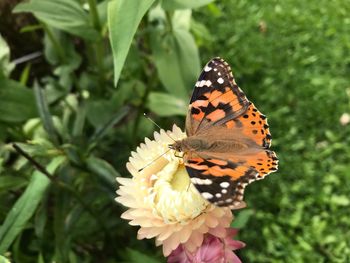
(292, 59)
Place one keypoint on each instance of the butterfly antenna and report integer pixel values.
(160, 156)
(148, 118)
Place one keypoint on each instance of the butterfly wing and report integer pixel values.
(220, 113)
(216, 98)
(251, 124)
(222, 179)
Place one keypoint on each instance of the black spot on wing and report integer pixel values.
(195, 110)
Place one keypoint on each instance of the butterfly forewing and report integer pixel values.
(216, 97)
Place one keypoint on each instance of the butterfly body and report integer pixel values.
(228, 139)
(201, 145)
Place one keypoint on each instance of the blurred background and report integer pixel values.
(59, 63)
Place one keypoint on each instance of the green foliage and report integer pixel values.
(5, 65)
(25, 206)
(122, 28)
(66, 15)
(292, 60)
(4, 260)
(17, 102)
(64, 110)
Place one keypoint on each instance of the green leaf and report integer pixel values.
(202, 35)
(103, 169)
(31, 28)
(99, 111)
(166, 105)
(5, 66)
(39, 147)
(17, 102)
(139, 257)
(26, 205)
(44, 112)
(4, 260)
(124, 17)
(62, 235)
(242, 218)
(102, 8)
(188, 57)
(66, 15)
(176, 55)
(167, 64)
(25, 74)
(187, 49)
(114, 119)
(41, 219)
(3, 132)
(340, 200)
(184, 4)
(181, 19)
(79, 121)
(8, 182)
(1, 162)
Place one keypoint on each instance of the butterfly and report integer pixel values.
(228, 139)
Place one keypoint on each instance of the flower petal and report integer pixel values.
(162, 200)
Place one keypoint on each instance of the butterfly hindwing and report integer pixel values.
(216, 98)
(253, 125)
(220, 182)
(264, 162)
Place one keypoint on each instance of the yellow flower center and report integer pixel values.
(176, 199)
(181, 180)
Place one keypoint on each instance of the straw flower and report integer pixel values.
(212, 250)
(162, 200)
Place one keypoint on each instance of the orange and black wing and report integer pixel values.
(253, 125)
(216, 98)
(219, 112)
(222, 181)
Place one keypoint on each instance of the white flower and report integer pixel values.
(345, 119)
(162, 199)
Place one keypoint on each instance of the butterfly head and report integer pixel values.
(177, 146)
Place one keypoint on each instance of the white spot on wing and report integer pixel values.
(201, 181)
(224, 191)
(220, 80)
(224, 184)
(207, 69)
(207, 195)
(218, 195)
(203, 83)
(208, 181)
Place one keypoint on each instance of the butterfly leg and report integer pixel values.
(179, 155)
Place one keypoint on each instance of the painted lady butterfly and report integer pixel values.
(228, 139)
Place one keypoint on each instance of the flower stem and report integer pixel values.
(94, 15)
